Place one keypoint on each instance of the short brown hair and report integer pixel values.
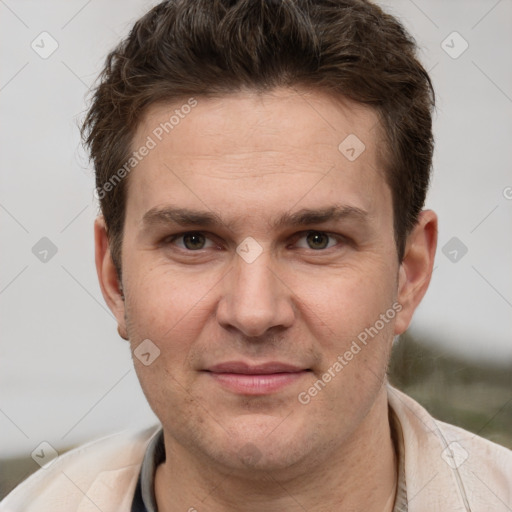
(349, 48)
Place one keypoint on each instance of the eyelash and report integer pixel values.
(170, 239)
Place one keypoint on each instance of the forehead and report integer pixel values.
(269, 151)
(260, 120)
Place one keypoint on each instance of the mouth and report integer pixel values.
(255, 379)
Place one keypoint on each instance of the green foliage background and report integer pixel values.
(474, 396)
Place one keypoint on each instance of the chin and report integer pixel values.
(266, 449)
(253, 459)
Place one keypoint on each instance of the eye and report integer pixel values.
(191, 241)
(317, 240)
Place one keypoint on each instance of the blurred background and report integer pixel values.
(65, 375)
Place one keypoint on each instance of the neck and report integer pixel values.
(359, 475)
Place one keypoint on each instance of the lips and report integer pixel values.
(255, 379)
(257, 369)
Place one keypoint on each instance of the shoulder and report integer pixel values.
(102, 473)
(449, 466)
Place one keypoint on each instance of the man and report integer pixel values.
(262, 168)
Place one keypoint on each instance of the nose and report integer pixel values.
(255, 298)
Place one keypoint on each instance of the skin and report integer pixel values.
(250, 158)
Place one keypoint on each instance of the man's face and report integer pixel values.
(250, 312)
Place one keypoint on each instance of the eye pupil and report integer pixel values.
(317, 240)
(193, 240)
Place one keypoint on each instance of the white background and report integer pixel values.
(65, 375)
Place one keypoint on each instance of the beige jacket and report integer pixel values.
(446, 469)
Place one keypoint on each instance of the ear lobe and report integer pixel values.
(416, 268)
(108, 279)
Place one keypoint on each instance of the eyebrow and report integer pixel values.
(303, 217)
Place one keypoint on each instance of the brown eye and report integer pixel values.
(190, 241)
(194, 241)
(317, 240)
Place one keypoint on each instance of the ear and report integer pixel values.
(416, 268)
(110, 286)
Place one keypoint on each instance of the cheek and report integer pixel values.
(169, 309)
(343, 303)
(167, 306)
